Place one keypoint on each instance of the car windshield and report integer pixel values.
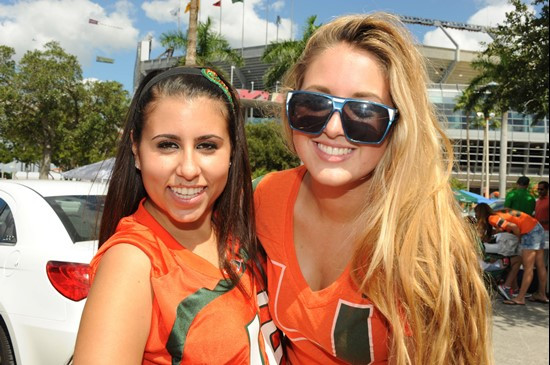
(80, 214)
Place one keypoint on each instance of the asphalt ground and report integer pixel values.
(520, 333)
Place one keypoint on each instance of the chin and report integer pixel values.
(332, 177)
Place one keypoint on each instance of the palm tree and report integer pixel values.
(281, 55)
(482, 98)
(496, 93)
(211, 46)
(192, 33)
(466, 103)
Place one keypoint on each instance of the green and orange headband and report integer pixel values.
(209, 74)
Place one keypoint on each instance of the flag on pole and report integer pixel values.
(278, 20)
(218, 3)
(188, 7)
(96, 22)
(104, 59)
(237, 1)
(175, 11)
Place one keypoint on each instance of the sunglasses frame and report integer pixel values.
(337, 105)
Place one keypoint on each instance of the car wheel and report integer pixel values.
(6, 353)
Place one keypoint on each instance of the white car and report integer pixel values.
(47, 238)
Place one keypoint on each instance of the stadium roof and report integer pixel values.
(445, 66)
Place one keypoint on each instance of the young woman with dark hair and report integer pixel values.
(173, 280)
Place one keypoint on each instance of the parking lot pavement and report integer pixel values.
(520, 333)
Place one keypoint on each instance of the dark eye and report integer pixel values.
(164, 145)
(211, 146)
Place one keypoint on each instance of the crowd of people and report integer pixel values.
(360, 255)
(526, 218)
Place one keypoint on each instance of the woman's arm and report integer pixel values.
(116, 320)
(513, 228)
(502, 224)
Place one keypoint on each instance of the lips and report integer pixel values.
(187, 193)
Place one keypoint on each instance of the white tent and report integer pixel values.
(99, 171)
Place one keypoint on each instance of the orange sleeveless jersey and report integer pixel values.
(524, 221)
(196, 318)
(335, 325)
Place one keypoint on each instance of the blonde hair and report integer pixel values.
(415, 257)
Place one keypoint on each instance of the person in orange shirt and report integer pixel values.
(531, 235)
(369, 259)
(174, 280)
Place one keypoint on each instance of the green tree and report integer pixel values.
(267, 149)
(465, 103)
(49, 86)
(477, 102)
(517, 59)
(103, 108)
(281, 55)
(49, 115)
(514, 70)
(211, 46)
(7, 97)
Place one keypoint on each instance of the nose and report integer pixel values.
(188, 167)
(334, 128)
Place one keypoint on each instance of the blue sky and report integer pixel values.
(29, 24)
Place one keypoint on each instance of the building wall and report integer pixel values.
(527, 147)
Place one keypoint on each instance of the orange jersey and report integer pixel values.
(335, 325)
(197, 317)
(524, 221)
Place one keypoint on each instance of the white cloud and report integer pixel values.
(493, 13)
(29, 24)
(159, 10)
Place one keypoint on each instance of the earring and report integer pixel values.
(137, 166)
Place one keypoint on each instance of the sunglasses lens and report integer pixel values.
(365, 122)
(308, 113)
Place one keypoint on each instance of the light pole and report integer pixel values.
(485, 168)
(251, 109)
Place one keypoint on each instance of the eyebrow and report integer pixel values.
(177, 138)
(357, 95)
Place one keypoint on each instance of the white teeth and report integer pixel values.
(187, 193)
(333, 151)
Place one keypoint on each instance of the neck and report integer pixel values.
(188, 234)
(339, 204)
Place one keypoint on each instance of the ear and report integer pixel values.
(135, 151)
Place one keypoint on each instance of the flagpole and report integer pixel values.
(277, 22)
(179, 15)
(242, 35)
(220, 17)
(266, 21)
(291, 19)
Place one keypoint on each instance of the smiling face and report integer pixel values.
(184, 156)
(346, 72)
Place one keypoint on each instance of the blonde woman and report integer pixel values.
(369, 260)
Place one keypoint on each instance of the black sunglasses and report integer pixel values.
(363, 121)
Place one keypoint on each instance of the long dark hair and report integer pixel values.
(483, 211)
(233, 211)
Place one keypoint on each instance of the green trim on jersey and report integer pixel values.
(185, 314)
(351, 335)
